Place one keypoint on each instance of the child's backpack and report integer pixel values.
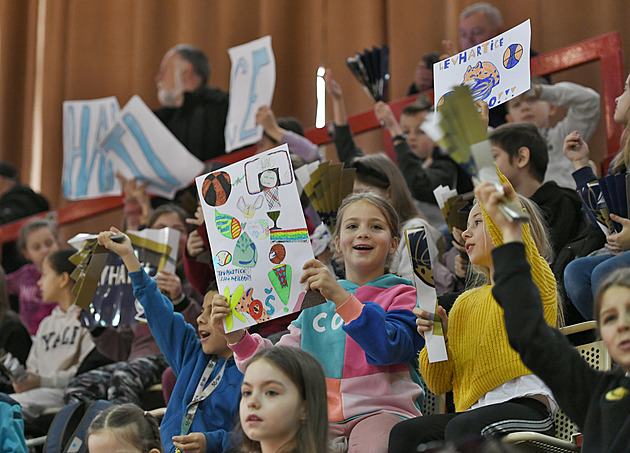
(67, 433)
(11, 426)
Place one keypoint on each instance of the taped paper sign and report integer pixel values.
(87, 170)
(103, 287)
(258, 231)
(252, 83)
(418, 249)
(141, 147)
(495, 71)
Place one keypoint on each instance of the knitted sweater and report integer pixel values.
(479, 355)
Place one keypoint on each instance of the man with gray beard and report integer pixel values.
(193, 112)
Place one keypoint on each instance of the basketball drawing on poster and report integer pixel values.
(261, 244)
(495, 71)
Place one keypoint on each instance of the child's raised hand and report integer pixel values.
(484, 111)
(195, 244)
(121, 247)
(220, 311)
(332, 86)
(450, 49)
(198, 219)
(576, 150)
(385, 115)
(266, 118)
(425, 323)
(190, 443)
(458, 241)
(319, 278)
(490, 198)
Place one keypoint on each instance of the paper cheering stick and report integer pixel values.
(460, 130)
(371, 69)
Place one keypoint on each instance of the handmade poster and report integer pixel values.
(252, 82)
(103, 287)
(87, 170)
(496, 70)
(140, 147)
(258, 237)
(418, 249)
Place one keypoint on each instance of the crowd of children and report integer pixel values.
(350, 374)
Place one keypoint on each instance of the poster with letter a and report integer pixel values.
(258, 237)
(496, 70)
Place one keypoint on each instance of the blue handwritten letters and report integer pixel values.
(252, 83)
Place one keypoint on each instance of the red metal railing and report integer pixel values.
(605, 48)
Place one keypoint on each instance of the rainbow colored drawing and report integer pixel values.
(295, 235)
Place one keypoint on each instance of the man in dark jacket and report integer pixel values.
(193, 112)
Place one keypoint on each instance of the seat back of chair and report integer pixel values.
(597, 356)
(433, 404)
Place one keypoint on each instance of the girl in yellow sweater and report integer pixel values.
(494, 392)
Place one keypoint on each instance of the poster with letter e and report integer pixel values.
(252, 83)
(496, 70)
(258, 237)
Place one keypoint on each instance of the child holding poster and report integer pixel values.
(363, 335)
(197, 417)
(490, 384)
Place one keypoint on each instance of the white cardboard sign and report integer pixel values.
(141, 147)
(258, 236)
(496, 70)
(252, 83)
(87, 171)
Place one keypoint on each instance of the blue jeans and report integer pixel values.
(583, 276)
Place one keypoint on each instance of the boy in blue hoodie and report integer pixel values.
(205, 400)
